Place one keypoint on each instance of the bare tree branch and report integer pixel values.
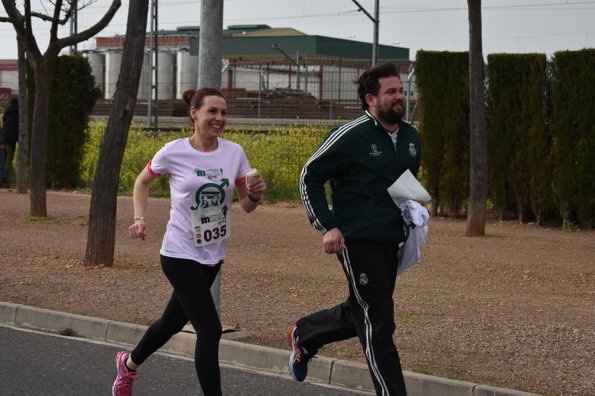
(29, 41)
(93, 30)
(48, 18)
(67, 9)
(22, 23)
(14, 16)
(22, 26)
(54, 25)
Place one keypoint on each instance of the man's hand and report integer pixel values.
(333, 241)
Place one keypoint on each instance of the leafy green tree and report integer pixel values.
(73, 95)
(500, 126)
(517, 134)
(573, 79)
(539, 159)
(443, 82)
(429, 71)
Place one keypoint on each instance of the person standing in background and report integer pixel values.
(2, 158)
(10, 124)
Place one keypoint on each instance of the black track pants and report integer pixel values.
(191, 301)
(368, 313)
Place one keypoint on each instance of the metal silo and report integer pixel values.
(187, 72)
(144, 85)
(97, 63)
(113, 60)
(166, 75)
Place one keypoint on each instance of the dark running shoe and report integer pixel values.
(299, 359)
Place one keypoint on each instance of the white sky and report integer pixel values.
(512, 26)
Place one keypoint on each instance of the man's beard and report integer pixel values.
(391, 116)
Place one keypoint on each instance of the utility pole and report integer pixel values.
(376, 20)
(210, 44)
(210, 54)
(74, 26)
(294, 62)
(152, 103)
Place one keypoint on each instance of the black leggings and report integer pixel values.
(191, 301)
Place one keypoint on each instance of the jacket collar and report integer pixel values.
(379, 125)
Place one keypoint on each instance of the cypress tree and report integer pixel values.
(517, 133)
(573, 95)
(73, 95)
(442, 79)
(428, 70)
(539, 163)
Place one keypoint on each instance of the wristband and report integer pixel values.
(251, 198)
(137, 218)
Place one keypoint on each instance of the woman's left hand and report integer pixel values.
(256, 185)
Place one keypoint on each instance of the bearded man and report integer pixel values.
(363, 227)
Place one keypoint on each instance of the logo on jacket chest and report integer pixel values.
(363, 279)
(412, 149)
(374, 150)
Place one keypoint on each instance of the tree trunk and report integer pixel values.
(39, 135)
(101, 235)
(476, 214)
(23, 156)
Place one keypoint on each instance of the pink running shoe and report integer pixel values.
(123, 383)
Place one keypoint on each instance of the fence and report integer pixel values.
(268, 91)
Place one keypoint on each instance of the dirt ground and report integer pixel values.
(513, 309)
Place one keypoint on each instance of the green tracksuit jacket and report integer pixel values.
(360, 162)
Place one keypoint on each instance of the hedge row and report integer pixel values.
(541, 133)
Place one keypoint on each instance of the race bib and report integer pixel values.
(210, 225)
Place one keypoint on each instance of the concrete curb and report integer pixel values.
(332, 371)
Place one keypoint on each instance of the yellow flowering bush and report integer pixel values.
(278, 154)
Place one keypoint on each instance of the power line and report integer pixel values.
(545, 6)
(515, 37)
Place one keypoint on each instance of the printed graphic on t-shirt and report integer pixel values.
(210, 174)
(210, 194)
(211, 218)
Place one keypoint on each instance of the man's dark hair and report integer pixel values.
(368, 83)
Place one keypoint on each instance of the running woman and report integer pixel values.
(203, 171)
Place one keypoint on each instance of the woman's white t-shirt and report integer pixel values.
(200, 182)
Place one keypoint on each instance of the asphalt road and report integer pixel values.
(36, 363)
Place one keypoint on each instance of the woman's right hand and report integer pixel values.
(138, 229)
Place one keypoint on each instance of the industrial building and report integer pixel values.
(267, 72)
(309, 76)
